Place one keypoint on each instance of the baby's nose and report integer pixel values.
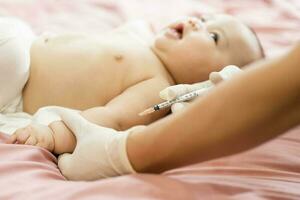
(196, 24)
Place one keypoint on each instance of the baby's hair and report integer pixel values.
(258, 42)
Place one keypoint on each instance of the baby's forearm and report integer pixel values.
(64, 140)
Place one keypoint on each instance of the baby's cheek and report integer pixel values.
(219, 62)
(201, 58)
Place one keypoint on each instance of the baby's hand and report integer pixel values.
(33, 134)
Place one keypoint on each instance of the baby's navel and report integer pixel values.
(118, 57)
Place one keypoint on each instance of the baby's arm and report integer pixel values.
(56, 137)
(120, 113)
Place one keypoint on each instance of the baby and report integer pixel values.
(112, 77)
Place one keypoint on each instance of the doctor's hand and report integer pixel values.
(99, 153)
(174, 91)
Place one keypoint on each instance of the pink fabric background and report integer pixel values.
(277, 22)
(271, 171)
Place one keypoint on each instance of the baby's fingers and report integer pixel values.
(44, 146)
(22, 136)
(19, 137)
(12, 139)
(31, 140)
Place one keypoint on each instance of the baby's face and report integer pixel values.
(193, 47)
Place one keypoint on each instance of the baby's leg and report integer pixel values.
(15, 41)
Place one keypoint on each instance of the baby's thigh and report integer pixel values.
(15, 41)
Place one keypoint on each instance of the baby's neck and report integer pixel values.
(170, 76)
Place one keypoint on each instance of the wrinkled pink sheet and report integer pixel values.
(271, 171)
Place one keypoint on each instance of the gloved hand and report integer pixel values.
(174, 91)
(100, 152)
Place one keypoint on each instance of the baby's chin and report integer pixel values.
(162, 42)
(158, 44)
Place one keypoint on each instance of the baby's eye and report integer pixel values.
(215, 37)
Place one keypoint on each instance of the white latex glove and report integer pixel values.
(100, 152)
(174, 91)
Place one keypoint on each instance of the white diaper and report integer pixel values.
(16, 105)
(9, 123)
(16, 38)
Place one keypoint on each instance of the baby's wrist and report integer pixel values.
(63, 138)
(52, 138)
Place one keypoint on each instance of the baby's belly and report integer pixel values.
(72, 73)
(68, 89)
(81, 72)
(79, 96)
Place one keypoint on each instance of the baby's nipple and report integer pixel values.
(118, 57)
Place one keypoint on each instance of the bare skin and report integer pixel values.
(102, 55)
(109, 76)
(75, 69)
(266, 100)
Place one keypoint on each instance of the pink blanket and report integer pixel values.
(271, 171)
(277, 22)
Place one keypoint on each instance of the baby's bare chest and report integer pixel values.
(86, 76)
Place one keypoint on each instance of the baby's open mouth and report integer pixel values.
(179, 29)
(176, 31)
